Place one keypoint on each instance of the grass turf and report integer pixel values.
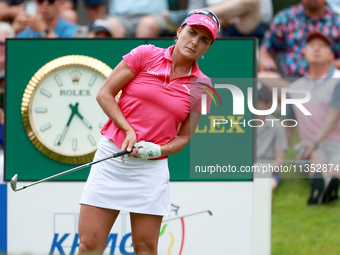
(299, 229)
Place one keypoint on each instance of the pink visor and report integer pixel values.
(203, 20)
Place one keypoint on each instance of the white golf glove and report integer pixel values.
(148, 150)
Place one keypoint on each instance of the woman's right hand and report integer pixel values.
(120, 76)
(128, 143)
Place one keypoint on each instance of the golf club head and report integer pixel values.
(14, 182)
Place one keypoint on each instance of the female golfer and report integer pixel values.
(157, 112)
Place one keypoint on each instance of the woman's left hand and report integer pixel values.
(148, 150)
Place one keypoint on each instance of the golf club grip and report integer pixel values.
(121, 153)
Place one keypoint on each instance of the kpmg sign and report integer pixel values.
(49, 222)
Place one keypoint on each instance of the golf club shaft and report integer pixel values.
(74, 169)
(188, 215)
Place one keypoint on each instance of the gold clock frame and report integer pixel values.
(32, 87)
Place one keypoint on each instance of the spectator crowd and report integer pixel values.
(299, 47)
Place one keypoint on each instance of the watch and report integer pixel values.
(43, 34)
(59, 109)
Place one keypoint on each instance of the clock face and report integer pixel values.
(62, 117)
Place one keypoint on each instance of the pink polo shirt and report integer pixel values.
(153, 104)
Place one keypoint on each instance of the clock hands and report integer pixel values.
(85, 121)
(74, 109)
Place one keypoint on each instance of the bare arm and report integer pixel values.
(273, 80)
(333, 116)
(119, 77)
(266, 61)
(20, 22)
(234, 8)
(279, 157)
(289, 133)
(4, 9)
(247, 13)
(183, 136)
(9, 12)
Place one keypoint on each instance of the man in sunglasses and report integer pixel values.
(47, 23)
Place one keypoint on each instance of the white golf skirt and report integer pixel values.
(139, 186)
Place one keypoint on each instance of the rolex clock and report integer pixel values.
(59, 109)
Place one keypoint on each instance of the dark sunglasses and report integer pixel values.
(49, 1)
(207, 13)
(2, 44)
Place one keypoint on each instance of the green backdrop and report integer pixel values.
(227, 58)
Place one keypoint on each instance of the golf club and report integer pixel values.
(188, 215)
(15, 177)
